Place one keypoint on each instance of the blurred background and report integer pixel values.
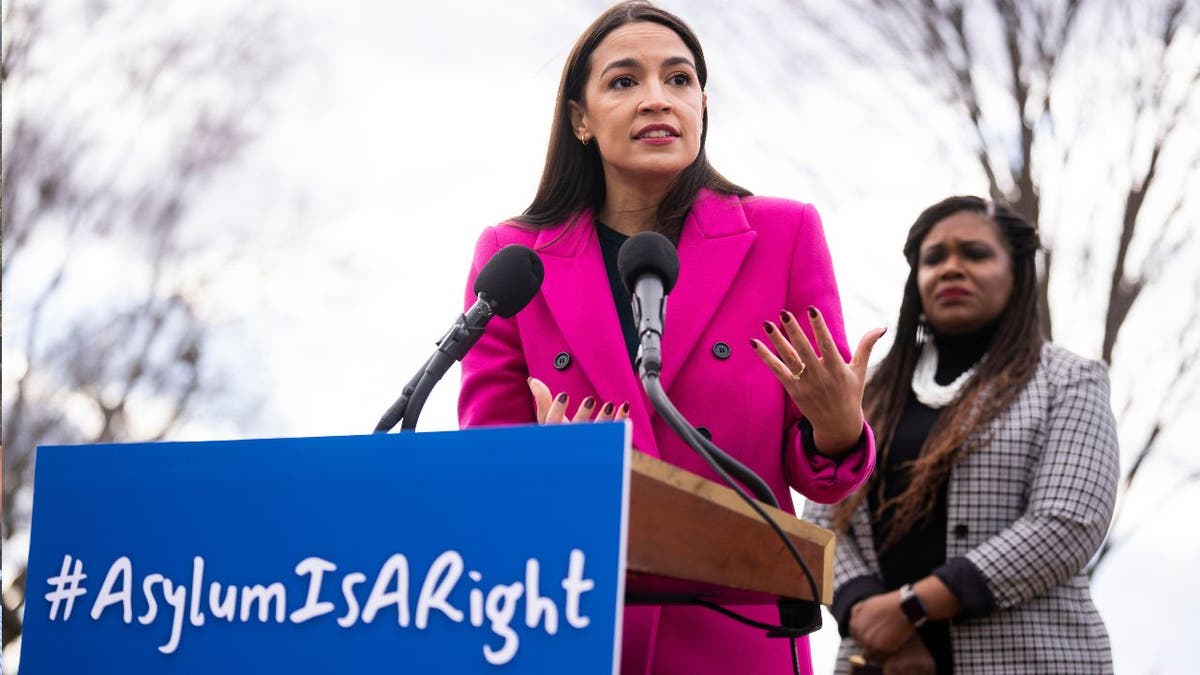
(239, 219)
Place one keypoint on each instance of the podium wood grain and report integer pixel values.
(690, 537)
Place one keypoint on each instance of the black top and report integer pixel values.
(917, 554)
(610, 245)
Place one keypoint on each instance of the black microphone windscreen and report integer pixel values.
(510, 279)
(648, 253)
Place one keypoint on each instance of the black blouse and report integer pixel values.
(923, 550)
(610, 246)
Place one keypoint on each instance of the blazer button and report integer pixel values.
(721, 350)
(705, 432)
(960, 531)
(562, 360)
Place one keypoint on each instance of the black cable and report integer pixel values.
(395, 413)
(795, 656)
(663, 404)
(743, 619)
(435, 367)
(742, 473)
(740, 618)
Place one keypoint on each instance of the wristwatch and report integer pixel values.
(911, 605)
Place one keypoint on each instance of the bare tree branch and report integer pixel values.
(134, 370)
(1123, 80)
(1111, 543)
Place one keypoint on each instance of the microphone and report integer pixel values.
(504, 286)
(648, 266)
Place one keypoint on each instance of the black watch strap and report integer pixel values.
(911, 605)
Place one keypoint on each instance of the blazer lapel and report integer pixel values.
(712, 247)
(581, 304)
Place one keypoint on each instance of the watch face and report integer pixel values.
(913, 608)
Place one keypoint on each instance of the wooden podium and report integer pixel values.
(692, 538)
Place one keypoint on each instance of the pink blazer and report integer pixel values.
(741, 261)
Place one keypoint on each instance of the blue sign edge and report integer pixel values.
(622, 544)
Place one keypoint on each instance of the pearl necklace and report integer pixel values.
(926, 388)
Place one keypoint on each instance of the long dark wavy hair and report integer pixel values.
(1011, 360)
(573, 177)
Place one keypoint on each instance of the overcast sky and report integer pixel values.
(402, 129)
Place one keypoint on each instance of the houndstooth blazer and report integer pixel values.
(1028, 509)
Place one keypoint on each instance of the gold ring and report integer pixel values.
(797, 373)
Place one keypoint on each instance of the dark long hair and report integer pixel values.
(573, 177)
(1012, 359)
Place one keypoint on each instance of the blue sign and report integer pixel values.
(481, 551)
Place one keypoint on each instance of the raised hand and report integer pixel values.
(826, 388)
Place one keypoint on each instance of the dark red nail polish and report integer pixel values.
(588, 403)
(753, 343)
(562, 398)
(607, 409)
(768, 327)
(812, 311)
(785, 316)
(625, 407)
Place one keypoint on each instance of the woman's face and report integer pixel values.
(964, 273)
(642, 104)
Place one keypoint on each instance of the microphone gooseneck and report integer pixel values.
(503, 287)
(649, 267)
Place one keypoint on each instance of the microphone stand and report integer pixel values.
(649, 364)
(426, 378)
(396, 412)
(796, 617)
(704, 447)
(465, 332)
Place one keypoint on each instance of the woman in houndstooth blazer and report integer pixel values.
(997, 470)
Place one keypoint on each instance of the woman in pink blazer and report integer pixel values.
(627, 155)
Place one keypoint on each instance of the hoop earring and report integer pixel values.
(585, 140)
